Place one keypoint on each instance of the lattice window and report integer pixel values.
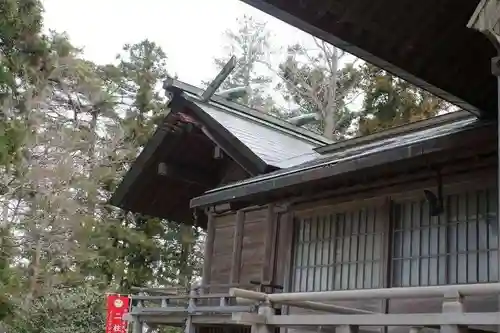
(338, 251)
(460, 246)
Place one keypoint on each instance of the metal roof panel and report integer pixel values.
(330, 160)
(276, 148)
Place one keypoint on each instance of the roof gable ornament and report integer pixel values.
(215, 84)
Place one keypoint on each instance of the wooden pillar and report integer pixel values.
(237, 247)
(265, 310)
(286, 248)
(266, 275)
(453, 304)
(137, 326)
(208, 255)
(386, 278)
(189, 326)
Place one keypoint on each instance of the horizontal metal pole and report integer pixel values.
(421, 319)
(385, 293)
(258, 296)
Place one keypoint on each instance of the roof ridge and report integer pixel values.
(420, 125)
(249, 113)
(326, 160)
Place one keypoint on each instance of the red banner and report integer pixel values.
(117, 306)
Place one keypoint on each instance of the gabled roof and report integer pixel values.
(442, 133)
(276, 146)
(426, 42)
(185, 142)
(276, 142)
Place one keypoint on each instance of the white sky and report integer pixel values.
(189, 31)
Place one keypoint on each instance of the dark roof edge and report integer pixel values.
(397, 130)
(330, 169)
(244, 111)
(221, 136)
(139, 164)
(360, 53)
(240, 152)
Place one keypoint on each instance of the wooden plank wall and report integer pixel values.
(241, 240)
(220, 267)
(253, 247)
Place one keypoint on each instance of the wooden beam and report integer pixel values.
(237, 247)
(218, 153)
(390, 293)
(185, 174)
(262, 297)
(415, 319)
(269, 245)
(274, 247)
(209, 249)
(388, 236)
(243, 318)
(137, 326)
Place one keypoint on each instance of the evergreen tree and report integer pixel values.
(249, 43)
(390, 101)
(314, 81)
(70, 129)
(22, 58)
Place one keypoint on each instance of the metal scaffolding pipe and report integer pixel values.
(242, 297)
(389, 293)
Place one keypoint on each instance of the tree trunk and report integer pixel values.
(329, 118)
(35, 272)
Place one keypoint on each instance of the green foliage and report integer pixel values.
(69, 130)
(314, 81)
(390, 101)
(12, 134)
(22, 48)
(7, 274)
(62, 310)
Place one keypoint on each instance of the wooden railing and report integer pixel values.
(452, 319)
(178, 306)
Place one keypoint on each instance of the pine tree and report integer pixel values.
(249, 43)
(69, 131)
(314, 81)
(390, 101)
(152, 250)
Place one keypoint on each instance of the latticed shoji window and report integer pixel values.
(338, 251)
(459, 246)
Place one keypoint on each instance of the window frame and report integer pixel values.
(385, 202)
(377, 204)
(445, 227)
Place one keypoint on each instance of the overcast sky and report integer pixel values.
(189, 31)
